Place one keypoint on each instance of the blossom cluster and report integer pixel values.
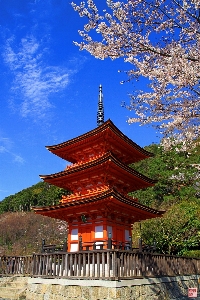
(161, 41)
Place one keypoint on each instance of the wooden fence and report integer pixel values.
(99, 264)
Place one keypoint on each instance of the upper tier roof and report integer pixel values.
(100, 140)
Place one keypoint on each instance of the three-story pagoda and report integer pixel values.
(99, 179)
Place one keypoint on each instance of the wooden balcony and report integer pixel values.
(98, 264)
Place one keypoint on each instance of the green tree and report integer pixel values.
(176, 173)
(178, 232)
(40, 194)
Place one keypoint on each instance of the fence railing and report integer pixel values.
(105, 244)
(100, 245)
(99, 264)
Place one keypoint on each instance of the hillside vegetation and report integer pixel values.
(40, 194)
(21, 233)
(177, 192)
(21, 230)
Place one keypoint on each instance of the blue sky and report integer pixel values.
(49, 90)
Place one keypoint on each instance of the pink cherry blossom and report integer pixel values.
(160, 39)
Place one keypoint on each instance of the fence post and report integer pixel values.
(43, 244)
(109, 241)
(80, 246)
(65, 246)
(33, 264)
(94, 246)
(140, 244)
(130, 243)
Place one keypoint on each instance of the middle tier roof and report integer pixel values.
(102, 173)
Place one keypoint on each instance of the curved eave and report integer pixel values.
(45, 210)
(102, 162)
(62, 148)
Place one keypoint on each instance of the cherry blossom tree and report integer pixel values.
(161, 41)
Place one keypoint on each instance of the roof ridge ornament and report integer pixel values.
(100, 112)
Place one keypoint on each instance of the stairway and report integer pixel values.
(13, 288)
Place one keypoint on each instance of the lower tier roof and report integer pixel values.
(108, 203)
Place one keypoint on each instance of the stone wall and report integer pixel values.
(165, 288)
(137, 289)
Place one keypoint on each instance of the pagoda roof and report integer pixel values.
(105, 135)
(110, 199)
(106, 168)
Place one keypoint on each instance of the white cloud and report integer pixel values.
(5, 144)
(34, 81)
(18, 159)
(2, 149)
(5, 147)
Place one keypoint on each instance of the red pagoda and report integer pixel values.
(99, 179)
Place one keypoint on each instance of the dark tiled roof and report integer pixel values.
(101, 162)
(96, 198)
(108, 124)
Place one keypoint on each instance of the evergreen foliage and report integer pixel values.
(177, 174)
(40, 194)
(177, 192)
